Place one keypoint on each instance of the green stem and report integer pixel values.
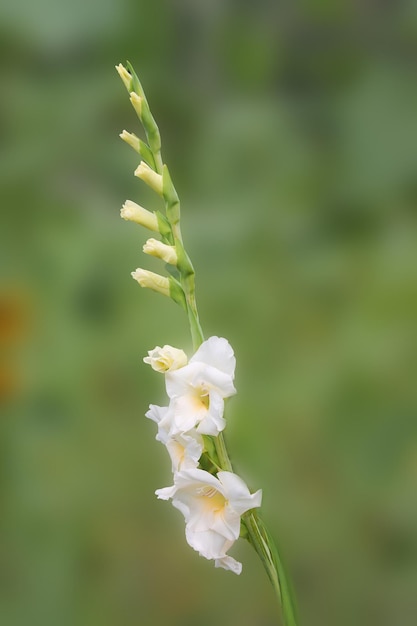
(265, 547)
(222, 454)
(159, 166)
(195, 327)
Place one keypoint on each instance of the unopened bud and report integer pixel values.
(136, 103)
(135, 213)
(166, 359)
(125, 76)
(151, 178)
(152, 281)
(161, 250)
(131, 139)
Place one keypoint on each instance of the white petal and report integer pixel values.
(227, 524)
(163, 417)
(228, 562)
(238, 495)
(195, 478)
(213, 422)
(165, 493)
(186, 413)
(198, 375)
(207, 543)
(156, 413)
(217, 352)
(211, 426)
(185, 450)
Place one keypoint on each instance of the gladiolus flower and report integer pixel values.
(197, 391)
(185, 449)
(212, 508)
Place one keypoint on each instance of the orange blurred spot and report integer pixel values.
(13, 317)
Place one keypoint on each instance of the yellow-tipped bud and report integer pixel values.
(135, 213)
(131, 139)
(151, 178)
(125, 76)
(152, 281)
(136, 103)
(161, 250)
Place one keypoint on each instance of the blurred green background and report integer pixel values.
(290, 130)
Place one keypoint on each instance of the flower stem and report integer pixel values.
(222, 454)
(262, 542)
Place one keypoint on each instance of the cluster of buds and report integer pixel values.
(211, 500)
(152, 172)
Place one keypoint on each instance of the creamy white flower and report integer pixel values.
(184, 449)
(166, 359)
(212, 508)
(197, 391)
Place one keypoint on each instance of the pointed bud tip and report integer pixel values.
(124, 75)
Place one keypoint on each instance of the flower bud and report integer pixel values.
(136, 103)
(131, 139)
(151, 178)
(125, 76)
(135, 213)
(161, 250)
(152, 281)
(166, 359)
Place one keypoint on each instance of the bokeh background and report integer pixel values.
(290, 130)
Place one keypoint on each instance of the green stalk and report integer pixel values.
(260, 539)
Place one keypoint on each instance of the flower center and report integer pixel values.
(203, 395)
(213, 499)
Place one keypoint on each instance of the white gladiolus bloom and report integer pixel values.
(185, 449)
(197, 391)
(166, 359)
(212, 508)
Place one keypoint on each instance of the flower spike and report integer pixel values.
(216, 503)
